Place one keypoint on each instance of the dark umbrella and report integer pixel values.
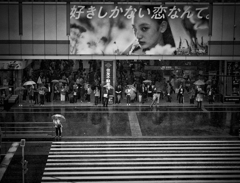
(20, 88)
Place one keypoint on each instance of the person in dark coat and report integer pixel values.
(181, 94)
(118, 92)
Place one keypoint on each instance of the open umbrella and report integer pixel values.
(132, 87)
(62, 81)
(108, 86)
(55, 81)
(29, 83)
(147, 81)
(20, 88)
(180, 79)
(59, 116)
(199, 82)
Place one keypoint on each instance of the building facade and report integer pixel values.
(192, 41)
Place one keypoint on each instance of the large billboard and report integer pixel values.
(139, 29)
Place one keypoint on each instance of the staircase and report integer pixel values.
(144, 161)
(16, 130)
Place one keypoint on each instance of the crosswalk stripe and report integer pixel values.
(140, 167)
(138, 155)
(148, 145)
(140, 148)
(140, 177)
(143, 162)
(143, 159)
(146, 142)
(151, 181)
(145, 172)
(148, 152)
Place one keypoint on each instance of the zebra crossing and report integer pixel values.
(146, 161)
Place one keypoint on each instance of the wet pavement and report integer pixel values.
(116, 120)
(85, 121)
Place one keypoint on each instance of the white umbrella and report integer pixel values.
(29, 83)
(132, 87)
(108, 86)
(199, 82)
(62, 81)
(59, 116)
(147, 81)
(55, 81)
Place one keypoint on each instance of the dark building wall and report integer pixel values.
(44, 29)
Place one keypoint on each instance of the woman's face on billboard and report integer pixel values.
(148, 31)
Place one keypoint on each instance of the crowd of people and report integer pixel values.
(147, 92)
(86, 86)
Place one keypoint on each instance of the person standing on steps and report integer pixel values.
(58, 127)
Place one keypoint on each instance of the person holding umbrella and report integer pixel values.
(58, 125)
